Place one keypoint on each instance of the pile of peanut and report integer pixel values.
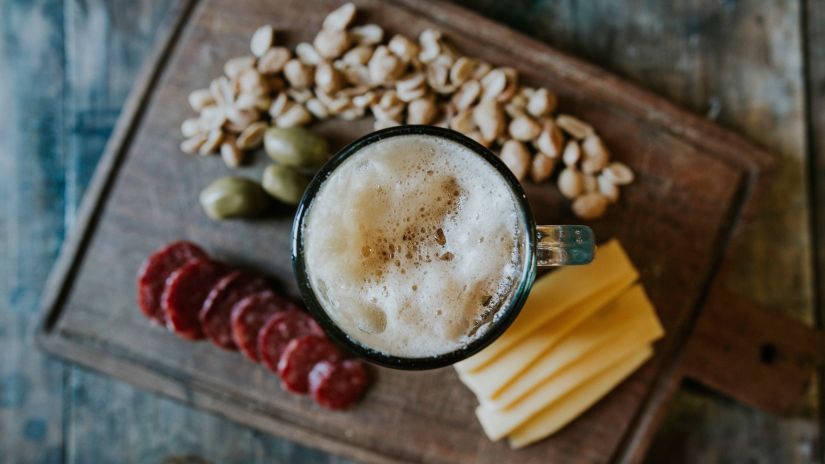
(349, 71)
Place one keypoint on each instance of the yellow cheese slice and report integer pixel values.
(635, 328)
(627, 323)
(495, 377)
(570, 406)
(554, 294)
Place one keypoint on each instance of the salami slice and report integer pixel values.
(186, 290)
(156, 269)
(249, 316)
(337, 385)
(216, 312)
(279, 330)
(299, 358)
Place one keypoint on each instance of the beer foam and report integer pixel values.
(412, 245)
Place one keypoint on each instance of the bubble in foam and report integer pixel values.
(408, 261)
(372, 319)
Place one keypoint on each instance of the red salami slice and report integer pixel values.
(279, 330)
(216, 311)
(186, 290)
(299, 358)
(249, 316)
(337, 385)
(156, 269)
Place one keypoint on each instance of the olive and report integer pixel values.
(233, 197)
(295, 146)
(284, 183)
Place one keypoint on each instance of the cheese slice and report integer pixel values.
(492, 379)
(635, 328)
(556, 293)
(562, 412)
(627, 323)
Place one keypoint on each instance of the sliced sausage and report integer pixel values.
(216, 312)
(249, 316)
(156, 269)
(337, 385)
(299, 358)
(186, 290)
(279, 330)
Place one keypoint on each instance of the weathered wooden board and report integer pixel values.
(30, 384)
(694, 180)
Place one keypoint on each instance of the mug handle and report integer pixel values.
(564, 245)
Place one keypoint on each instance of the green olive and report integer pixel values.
(295, 146)
(233, 197)
(284, 183)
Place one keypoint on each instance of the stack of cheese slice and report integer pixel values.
(581, 332)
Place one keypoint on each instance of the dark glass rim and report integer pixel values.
(513, 307)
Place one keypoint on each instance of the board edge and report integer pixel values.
(63, 271)
(204, 398)
(646, 103)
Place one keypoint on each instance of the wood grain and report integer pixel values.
(738, 63)
(640, 40)
(814, 27)
(715, 59)
(783, 353)
(149, 428)
(131, 220)
(32, 178)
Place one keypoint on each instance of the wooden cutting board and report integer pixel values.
(696, 186)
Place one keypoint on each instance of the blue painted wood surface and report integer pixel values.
(67, 66)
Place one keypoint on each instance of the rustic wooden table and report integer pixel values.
(756, 66)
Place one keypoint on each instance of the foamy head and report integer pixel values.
(412, 245)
